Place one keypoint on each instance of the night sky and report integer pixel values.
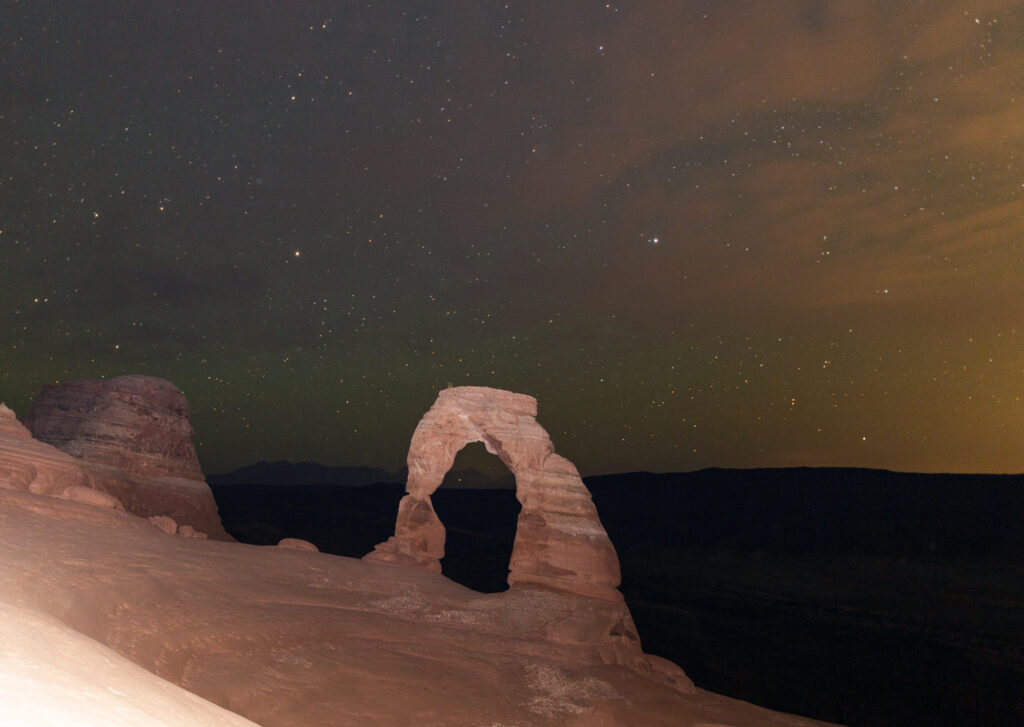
(701, 233)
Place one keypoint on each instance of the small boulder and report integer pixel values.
(89, 496)
(165, 523)
(298, 544)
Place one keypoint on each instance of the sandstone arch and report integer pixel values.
(560, 542)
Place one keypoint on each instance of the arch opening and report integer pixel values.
(477, 505)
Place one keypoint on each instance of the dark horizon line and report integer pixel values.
(642, 471)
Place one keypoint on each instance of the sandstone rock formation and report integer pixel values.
(298, 544)
(133, 436)
(105, 620)
(32, 466)
(53, 676)
(139, 424)
(288, 639)
(165, 524)
(90, 496)
(187, 531)
(9, 424)
(560, 544)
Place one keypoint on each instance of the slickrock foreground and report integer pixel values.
(108, 618)
(560, 544)
(53, 676)
(133, 436)
(287, 637)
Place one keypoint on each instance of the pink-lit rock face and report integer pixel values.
(139, 424)
(165, 523)
(31, 466)
(187, 531)
(298, 544)
(133, 438)
(560, 544)
(53, 676)
(9, 424)
(90, 496)
(288, 638)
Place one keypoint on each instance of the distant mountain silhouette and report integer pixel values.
(474, 479)
(305, 473)
(283, 473)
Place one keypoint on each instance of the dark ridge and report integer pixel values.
(310, 473)
(304, 473)
(818, 511)
(341, 520)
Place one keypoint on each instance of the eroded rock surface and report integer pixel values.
(54, 676)
(298, 544)
(165, 524)
(560, 544)
(289, 639)
(133, 437)
(32, 466)
(139, 424)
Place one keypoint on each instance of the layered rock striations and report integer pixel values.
(32, 466)
(133, 437)
(286, 636)
(560, 545)
(139, 424)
